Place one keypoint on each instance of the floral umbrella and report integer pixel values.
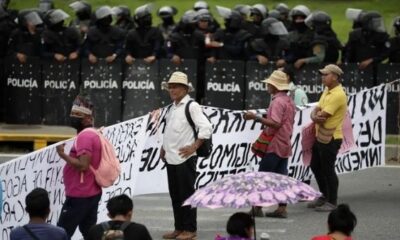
(250, 189)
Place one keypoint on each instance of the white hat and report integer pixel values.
(278, 79)
(179, 78)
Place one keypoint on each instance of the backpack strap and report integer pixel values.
(30, 232)
(105, 225)
(124, 225)
(189, 118)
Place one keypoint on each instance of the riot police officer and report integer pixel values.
(258, 12)
(6, 27)
(284, 10)
(325, 44)
(370, 43)
(84, 17)
(300, 37)
(167, 13)
(235, 39)
(145, 41)
(123, 18)
(273, 45)
(394, 55)
(25, 41)
(103, 39)
(213, 24)
(60, 42)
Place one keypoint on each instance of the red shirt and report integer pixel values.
(86, 143)
(281, 110)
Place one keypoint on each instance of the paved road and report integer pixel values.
(373, 194)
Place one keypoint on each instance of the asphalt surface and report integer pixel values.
(373, 195)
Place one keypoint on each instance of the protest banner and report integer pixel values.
(138, 143)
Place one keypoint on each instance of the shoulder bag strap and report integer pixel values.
(124, 225)
(189, 118)
(30, 233)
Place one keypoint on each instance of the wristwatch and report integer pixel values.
(258, 117)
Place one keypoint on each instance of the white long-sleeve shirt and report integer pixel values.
(179, 133)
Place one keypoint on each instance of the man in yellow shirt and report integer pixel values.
(328, 117)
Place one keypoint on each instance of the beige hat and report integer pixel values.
(180, 78)
(331, 68)
(278, 79)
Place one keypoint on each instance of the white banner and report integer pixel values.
(138, 145)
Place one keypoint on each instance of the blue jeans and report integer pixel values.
(273, 163)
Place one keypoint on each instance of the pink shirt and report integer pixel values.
(86, 143)
(281, 110)
(326, 237)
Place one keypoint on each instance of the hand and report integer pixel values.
(280, 63)
(299, 63)
(60, 149)
(59, 57)
(176, 60)
(21, 57)
(111, 58)
(364, 64)
(129, 59)
(262, 59)
(187, 150)
(249, 115)
(92, 58)
(211, 59)
(318, 118)
(150, 59)
(73, 56)
(162, 154)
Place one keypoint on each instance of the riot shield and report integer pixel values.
(256, 95)
(23, 91)
(225, 84)
(140, 88)
(354, 79)
(187, 66)
(102, 81)
(309, 79)
(60, 83)
(388, 73)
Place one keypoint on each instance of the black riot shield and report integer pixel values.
(140, 88)
(256, 95)
(388, 73)
(102, 82)
(187, 66)
(23, 92)
(2, 91)
(354, 79)
(309, 79)
(60, 83)
(225, 84)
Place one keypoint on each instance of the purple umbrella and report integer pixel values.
(251, 189)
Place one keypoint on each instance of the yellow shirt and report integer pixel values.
(334, 102)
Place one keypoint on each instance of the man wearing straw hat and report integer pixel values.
(278, 125)
(328, 117)
(179, 152)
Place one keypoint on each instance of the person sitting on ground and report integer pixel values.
(38, 207)
(240, 226)
(341, 223)
(120, 210)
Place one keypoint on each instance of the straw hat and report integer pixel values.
(331, 68)
(278, 79)
(179, 78)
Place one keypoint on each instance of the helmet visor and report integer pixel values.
(33, 18)
(353, 14)
(277, 28)
(377, 25)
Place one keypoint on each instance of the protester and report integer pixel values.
(341, 223)
(120, 210)
(328, 117)
(278, 125)
(82, 193)
(240, 226)
(298, 95)
(38, 207)
(179, 151)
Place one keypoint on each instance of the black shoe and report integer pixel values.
(257, 212)
(276, 214)
(317, 203)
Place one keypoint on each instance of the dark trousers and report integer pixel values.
(273, 163)
(323, 167)
(80, 212)
(181, 180)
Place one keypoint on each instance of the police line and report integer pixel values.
(41, 91)
(137, 142)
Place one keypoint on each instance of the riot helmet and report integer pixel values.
(121, 11)
(56, 16)
(299, 10)
(233, 19)
(82, 9)
(282, 9)
(372, 21)
(203, 15)
(274, 14)
(29, 17)
(244, 10)
(167, 12)
(46, 5)
(103, 16)
(4, 4)
(258, 12)
(187, 22)
(396, 26)
(355, 15)
(143, 16)
(200, 5)
(319, 21)
(272, 26)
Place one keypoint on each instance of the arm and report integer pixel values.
(81, 163)
(265, 121)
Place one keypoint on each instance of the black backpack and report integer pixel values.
(205, 149)
(114, 234)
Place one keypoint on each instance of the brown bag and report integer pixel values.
(325, 135)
